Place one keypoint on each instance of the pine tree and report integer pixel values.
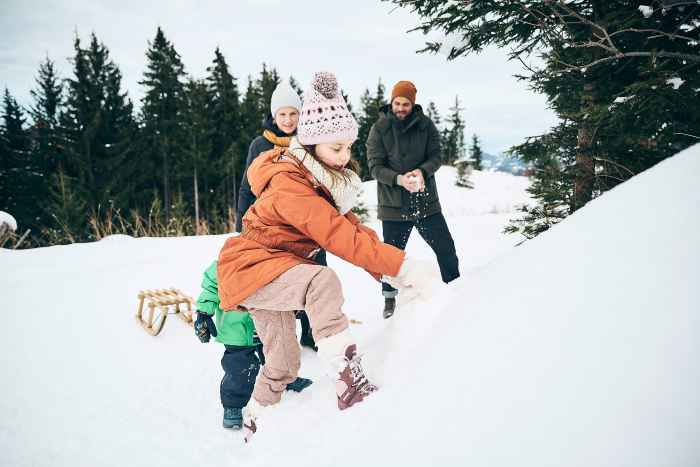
(476, 153)
(255, 106)
(464, 171)
(251, 124)
(19, 174)
(162, 107)
(199, 143)
(454, 146)
(467, 163)
(97, 130)
(5, 163)
(349, 102)
(48, 98)
(227, 158)
(433, 114)
(371, 105)
(552, 183)
(67, 208)
(250, 112)
(45, 135)
(268, 81)
(623, 83)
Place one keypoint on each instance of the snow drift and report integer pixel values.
(578, 349)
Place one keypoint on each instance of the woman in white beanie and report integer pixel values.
(305, 196)
(278, 129)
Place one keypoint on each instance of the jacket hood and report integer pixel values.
(267, 165)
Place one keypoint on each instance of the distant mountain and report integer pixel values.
(503, 163)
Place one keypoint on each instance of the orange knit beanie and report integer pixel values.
(404, 89)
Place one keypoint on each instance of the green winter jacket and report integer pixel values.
(233, 327)
(395, 147)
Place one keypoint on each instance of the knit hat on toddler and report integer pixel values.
(284, 95)
(325, 117)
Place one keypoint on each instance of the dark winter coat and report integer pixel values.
(395, 147)
(259, 145)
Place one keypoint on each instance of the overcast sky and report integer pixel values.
(359, 40)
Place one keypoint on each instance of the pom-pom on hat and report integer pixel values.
(325, 117)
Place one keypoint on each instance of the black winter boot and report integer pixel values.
(389, 307)
(299, 384)
(233, 418)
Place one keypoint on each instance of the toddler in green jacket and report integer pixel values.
(243, 354)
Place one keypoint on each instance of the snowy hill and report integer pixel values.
(578, 348)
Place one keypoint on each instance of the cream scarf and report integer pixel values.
(344, 190)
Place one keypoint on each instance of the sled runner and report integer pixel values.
(161, 303)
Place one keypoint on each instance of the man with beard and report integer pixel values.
(403, 154)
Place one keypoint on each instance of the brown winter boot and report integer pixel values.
(339, 354)
(352, 385)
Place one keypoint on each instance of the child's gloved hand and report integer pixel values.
(204, 327)
(258, 347)
(408, 276)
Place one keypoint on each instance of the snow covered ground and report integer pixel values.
(579, 348)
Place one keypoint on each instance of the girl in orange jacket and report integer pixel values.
(304, 197)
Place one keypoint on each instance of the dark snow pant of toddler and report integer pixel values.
(309, 287)
(241, 366)
(436, 234)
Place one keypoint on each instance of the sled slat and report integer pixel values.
(168, 301)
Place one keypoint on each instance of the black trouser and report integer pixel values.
(241, 365)
(436, 234)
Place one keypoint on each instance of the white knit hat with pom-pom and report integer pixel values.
(325, 117)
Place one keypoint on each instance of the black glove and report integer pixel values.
(204, 327)
(258, 347)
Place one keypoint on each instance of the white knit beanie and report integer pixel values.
(284, 96)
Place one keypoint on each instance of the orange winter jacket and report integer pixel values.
(292, 218)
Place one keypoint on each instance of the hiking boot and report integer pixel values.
(389, 307)
(299, 384)
(352, 385)
(233, 418)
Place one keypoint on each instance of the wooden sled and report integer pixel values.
(161, 303)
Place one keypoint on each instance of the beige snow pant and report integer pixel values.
(309, 287)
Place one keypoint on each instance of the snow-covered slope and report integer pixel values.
(577, 348)
(590, 356)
